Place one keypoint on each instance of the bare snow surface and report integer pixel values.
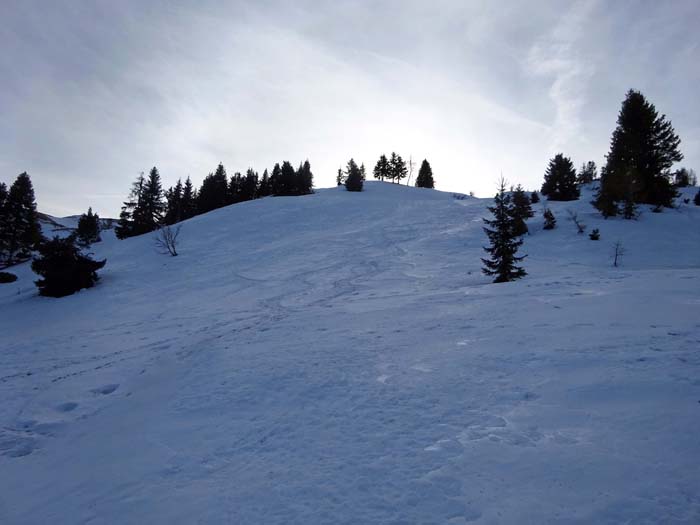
(338, 358)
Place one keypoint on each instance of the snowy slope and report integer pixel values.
(339, 358)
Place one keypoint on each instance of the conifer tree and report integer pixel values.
(150, 216)
(643, 148)
(214, 192)
(588, 173)
(353, 177)
(174, 204)
(88, 228)
(21, 229)
(264, 186)
(4, 223)
(287, 179)
(550, 221)
(504, 242)
(696, 199)
(382, 169)
(522, 210)
(276, 180)
(248, 186)
(363, 172)
(425, 176)
(189, 200)
(397, 168)
(305, 179)
(534, 197)
(64, 270)
(125, 225)
(340, 178)
(560, 180)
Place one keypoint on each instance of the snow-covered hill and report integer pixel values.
(339, 358)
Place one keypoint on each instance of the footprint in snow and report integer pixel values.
(105, 389)
(67, 407)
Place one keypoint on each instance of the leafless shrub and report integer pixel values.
(618, 252)
(166, 240)
(580, 227)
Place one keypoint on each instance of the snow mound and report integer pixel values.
(339, 358)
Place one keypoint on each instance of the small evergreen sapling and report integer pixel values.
(534, 197)
(63, 268)
(594, 235)
(504, 242)
(550, 221)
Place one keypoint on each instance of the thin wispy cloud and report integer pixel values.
(94, 93)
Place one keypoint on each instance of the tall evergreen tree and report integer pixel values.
(305, 179)
(397, 168)
(214, 192)
(264, 186)
(150, 216)
(560, 180)
(382, 170)
(522, 210)
(125, 225)
(353, 177)
(425, 176)
(4, 223)
(588, 173)
(21, 230)
(287, 179)
(174, 204)
(340, 177)
(276, 185)
(643, 148)
(504, 242)
(189, 200)
(249, 185)
(88, 228)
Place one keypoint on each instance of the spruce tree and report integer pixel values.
(425, 176)
(150, 215)
(4, 223)
(249, 185)
(88, 228)
(588, 173)
(64, 270)
(276, 180)
(174, 199)
(643, 148)
(214, 192)
(560, 180)
(550, 221)
(125, 225)
(353, 177)
(305, 180)
(382, 169)
(504, 242)
(534, 197)
(522, 210)
(189, 200)
(22, 231)
(287, 185)
(397, 168)
(696, 199)
(264, 186)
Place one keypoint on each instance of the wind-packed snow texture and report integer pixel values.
(339, 358)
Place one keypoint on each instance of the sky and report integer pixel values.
(94, 92)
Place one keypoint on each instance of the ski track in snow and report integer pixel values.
(343, 361)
